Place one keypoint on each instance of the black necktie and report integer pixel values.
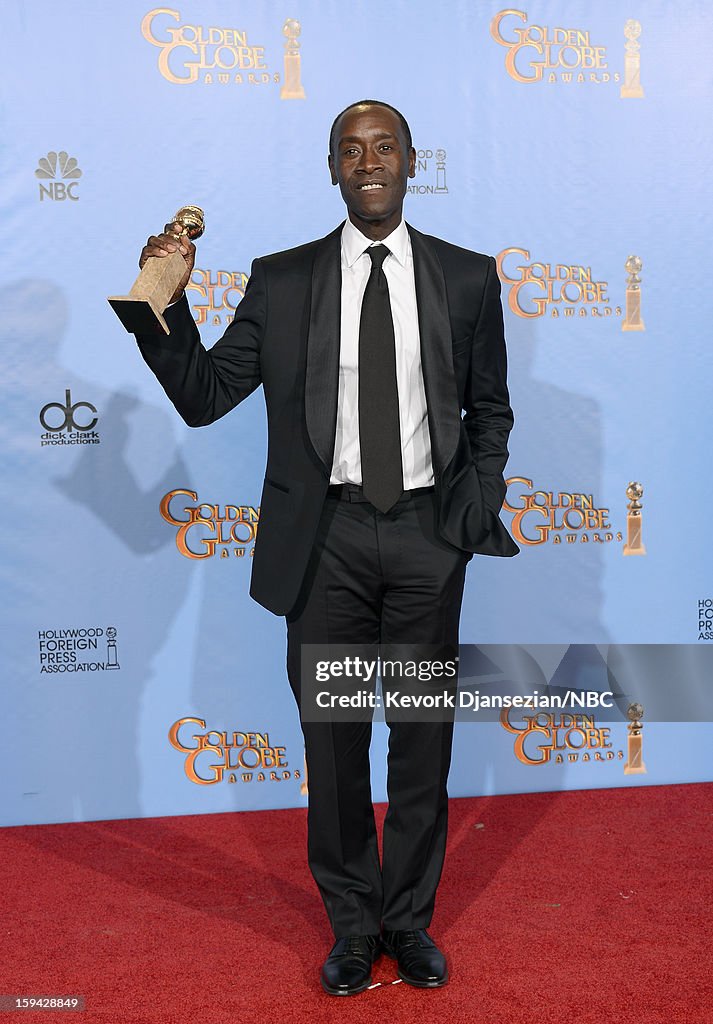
(379, 433)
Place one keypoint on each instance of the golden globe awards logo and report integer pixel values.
(559, 290)
(210, 55)
(565, 56)
(217, 756)
(564, 517)
(217, 293)
(205, 530)
(193, 53)
(547, 738)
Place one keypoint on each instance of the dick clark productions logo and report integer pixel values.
(69, 422)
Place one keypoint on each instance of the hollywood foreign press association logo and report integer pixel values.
(51, 169)
(78, 649)
(65, 424)
(705, 618)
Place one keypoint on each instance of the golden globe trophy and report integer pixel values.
(631, 89)
(635, 754)
(292, 88)
(633, 546)
(141, 311)
(632, 313)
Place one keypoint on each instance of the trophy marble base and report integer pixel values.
(141, 310)
(293, 88)
(139, 316)
(633, 544)
(632, 319)
(635, 763)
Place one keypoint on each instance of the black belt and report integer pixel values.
(353, 492)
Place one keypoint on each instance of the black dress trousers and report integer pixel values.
(377, 578)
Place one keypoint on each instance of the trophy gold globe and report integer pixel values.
(632, 29)
(141, 311)
(634, 712)
(635, 493)
(633, 267)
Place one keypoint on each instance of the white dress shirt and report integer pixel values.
(413, 417)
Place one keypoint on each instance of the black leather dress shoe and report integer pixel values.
(347, 969)
(420, 961)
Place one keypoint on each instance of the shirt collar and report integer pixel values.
(354, 243)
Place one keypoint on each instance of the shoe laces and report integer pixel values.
(357, 944)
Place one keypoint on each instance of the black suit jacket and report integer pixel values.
(285, 336)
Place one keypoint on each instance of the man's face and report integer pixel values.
(371, 163)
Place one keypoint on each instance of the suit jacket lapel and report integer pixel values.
(436, 351)
(322, 373)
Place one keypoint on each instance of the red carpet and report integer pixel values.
(559, 907)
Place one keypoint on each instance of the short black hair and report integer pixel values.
(370, 103)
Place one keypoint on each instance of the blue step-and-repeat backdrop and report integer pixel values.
(567, 139)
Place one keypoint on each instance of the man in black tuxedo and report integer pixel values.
(382, 357)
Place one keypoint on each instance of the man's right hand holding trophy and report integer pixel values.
(166, 263)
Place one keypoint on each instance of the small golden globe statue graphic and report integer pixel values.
(292, 88)
(635, 754)
(634, 544)
(632, 313)
(631, 87)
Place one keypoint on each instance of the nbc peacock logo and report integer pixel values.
(56, 169)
